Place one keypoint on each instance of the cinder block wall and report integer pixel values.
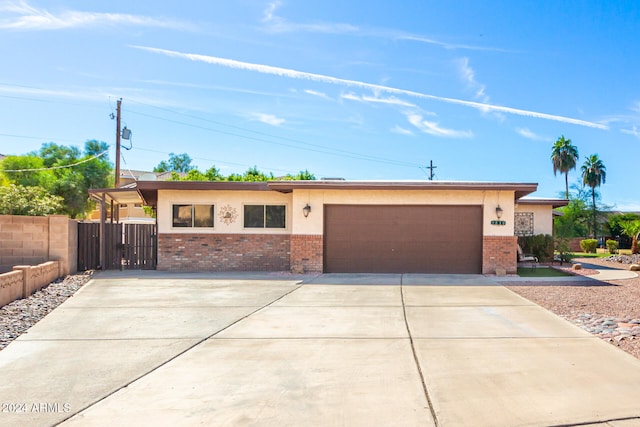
(24, 240)
(224, 252)
(32, 240)
(499, 252)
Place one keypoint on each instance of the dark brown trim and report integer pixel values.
(520, 189)
(555, 203)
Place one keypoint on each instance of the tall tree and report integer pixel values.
(594, 174)
(564, 157)
(176, 163)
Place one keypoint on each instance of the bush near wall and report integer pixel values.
(589, 245)
(612, 246)
(540, 245)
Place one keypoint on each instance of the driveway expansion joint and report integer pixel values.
(174, 357)
(415, 357)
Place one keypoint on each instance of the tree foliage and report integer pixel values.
(564, 157)
(252, 174)
(63, 171)
(594, 174)
(176, 163)
(632, 229)
(33, 201)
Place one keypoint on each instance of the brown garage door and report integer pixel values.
(402, 239)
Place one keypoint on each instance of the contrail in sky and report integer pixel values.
(301, 75)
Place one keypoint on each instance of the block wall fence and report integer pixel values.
(32, 240)
(24, 280)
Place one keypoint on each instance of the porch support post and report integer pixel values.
(103, 219)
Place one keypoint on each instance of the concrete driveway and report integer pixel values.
(335, 350)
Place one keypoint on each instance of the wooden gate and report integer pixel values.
(127, 246)
(139, 248)
(88, 246)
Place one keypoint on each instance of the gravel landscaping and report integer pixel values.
(20, 315)
(609, 310)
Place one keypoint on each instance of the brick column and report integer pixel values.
(306, 253)
(499, 252)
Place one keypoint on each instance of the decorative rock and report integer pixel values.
(634, 267)
(576, 266)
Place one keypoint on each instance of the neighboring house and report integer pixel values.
(535, 215)
(132, 212)
(341, 226)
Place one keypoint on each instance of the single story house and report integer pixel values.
(342, 226)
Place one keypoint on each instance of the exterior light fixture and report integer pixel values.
(306, 210)
(499, 212)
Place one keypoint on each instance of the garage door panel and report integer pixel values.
(403, 238)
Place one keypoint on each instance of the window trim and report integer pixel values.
(212, 206)
(264, 220)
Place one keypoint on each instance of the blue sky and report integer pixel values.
(360, 90)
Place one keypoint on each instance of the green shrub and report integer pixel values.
(612, 245)
(540, 245)
(563, 249)
(589, 245)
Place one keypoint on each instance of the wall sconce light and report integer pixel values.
(227, 215)
(306, 210)
(499, 212)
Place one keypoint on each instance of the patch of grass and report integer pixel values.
(589, 255)
(541, 272)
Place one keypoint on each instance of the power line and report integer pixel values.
(321, 148)
(58, 167)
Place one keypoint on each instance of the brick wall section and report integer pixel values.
(224, 252)
(499, 252)
(306, 253)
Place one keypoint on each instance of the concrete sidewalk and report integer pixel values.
(154, 349)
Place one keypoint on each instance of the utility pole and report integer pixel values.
(431, 168)
(117, 181)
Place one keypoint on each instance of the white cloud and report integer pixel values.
(392, 100)
(400, 130)
(433, 128)
(469, 76)
(316, 93)
(300, 75)
(633, 131)
(427, 40)
(529, 134)
(269, 119)
(277, 24)
(26, 17)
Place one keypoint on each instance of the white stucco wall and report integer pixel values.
(221, 199)
(296, 223)
(318, 198)
(542, 217)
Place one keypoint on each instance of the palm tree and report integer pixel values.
(632, 229)
(564, 156)
(594, 173)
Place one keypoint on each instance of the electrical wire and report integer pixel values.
(58, 167)
(323, 149)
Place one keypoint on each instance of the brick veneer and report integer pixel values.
(224, 252)
(306, 253)
(499, 252)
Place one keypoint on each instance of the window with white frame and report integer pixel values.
(193, 216)
(265, 216)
